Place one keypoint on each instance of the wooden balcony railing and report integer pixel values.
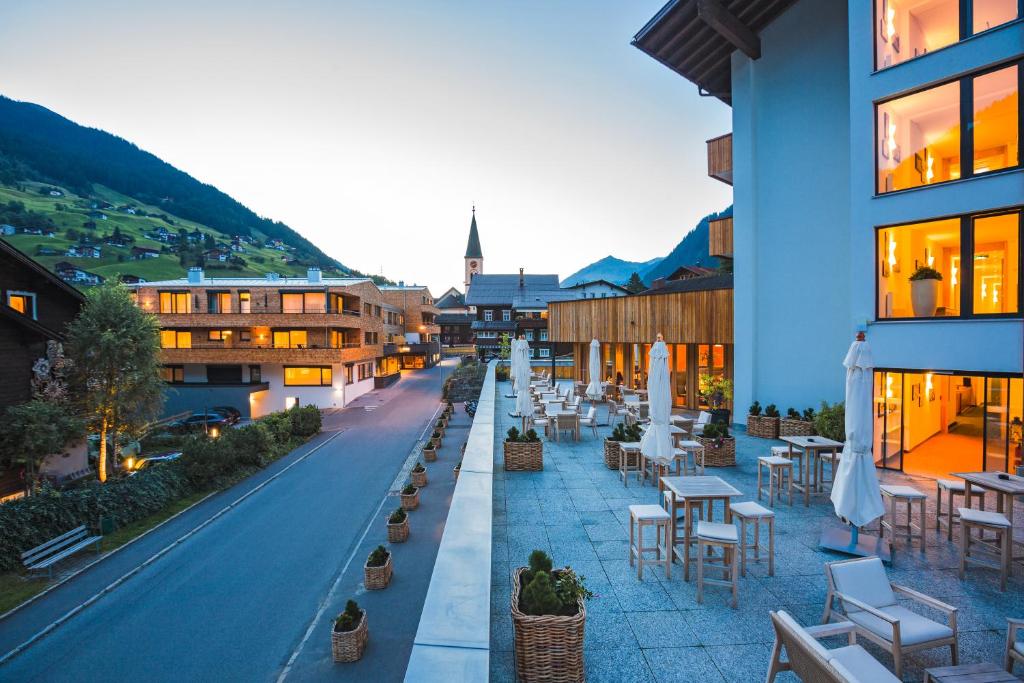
(720, 237)
(720, 158)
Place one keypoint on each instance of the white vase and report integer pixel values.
(924, 295)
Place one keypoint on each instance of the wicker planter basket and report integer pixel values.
(398, 533)
(348, 646)
(523, 456)
(419, 479)
(549, 647)
(429, 453)
(411, 501)
(719, 456)
(789, 427)
(763, 427)
(611, 455)
(377, 578)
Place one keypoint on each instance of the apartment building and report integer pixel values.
(872, 141)
(266, 344)
(421, 346)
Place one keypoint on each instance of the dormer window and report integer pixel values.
(22, 302)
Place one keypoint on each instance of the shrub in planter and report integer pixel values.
(439, 428)
(349, 634)
(830, 422)
(457, 469)
(549, 617)
(410, 498)
(620, 434)
(419, 476)
(719, 446)
(794, 424)
(398, 526)
(717, 390)
(429, 452)
(377, 570)
(763, 426)
(435, 439)
(523, 452)
(755, 409)
(924, 291)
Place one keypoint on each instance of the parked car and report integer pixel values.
(153, 461)
(229, 413)
(197, 422)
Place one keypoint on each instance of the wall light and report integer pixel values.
(890, 23)
(888, 386)
(930, 171)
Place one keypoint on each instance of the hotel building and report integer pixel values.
(872, 141)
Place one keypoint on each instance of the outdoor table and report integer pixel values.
(811, 471)
(687, 490)
(1005, 489)
(982, 672)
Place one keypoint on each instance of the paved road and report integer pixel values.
(234, 601)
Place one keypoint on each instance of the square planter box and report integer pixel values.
(429, 454)
(718, 456)
(456, 470)
(435, 441)
(522, 456)
(419, 479)
(411, 501)
(377, 578)
(399, 533)
(611, 455)
(763, 427)
(547, 647)
(348, 646)
(789, 427)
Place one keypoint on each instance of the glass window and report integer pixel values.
(23, 302)
(175, 339)
(901, 251)
(255, 374)
(172, 374)
(996, 123)
(919, 138)
(244, 302)
(314, 302)
(488, 315)
(545, 352)
(911, 28)
(291, 303)
(996, 264)
(988, 14)
(175, 302)
(506, 315)
(543, 335)
(349, 379)
(307, 377)
(290, 339)
(219, 302)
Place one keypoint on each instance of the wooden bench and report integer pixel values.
(44, 556)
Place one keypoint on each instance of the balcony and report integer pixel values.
(720, 238)
(720, 158)
(210, 353)
(261, 318)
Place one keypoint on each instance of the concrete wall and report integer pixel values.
(791, 210)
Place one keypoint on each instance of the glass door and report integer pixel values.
(889, 420)
(680, 377)
(995, 410)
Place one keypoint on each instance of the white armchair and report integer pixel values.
(702, 419)
(590, 420)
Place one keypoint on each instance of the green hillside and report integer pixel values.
(72, 212)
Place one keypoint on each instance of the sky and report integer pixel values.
(373, 127)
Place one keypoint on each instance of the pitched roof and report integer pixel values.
(600, 281)
(454, 318)
(694, 284)
(453, 298)
(502, 289)
(473, 249)
(39, 269)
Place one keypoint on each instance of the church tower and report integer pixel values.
(474, 255)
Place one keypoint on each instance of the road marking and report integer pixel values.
(153, 558)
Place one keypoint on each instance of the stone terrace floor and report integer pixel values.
(654, 630)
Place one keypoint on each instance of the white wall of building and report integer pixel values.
(281, 397)
(596, 290)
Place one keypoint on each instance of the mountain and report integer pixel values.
(692, 250)
(39, 148)
(609, 268)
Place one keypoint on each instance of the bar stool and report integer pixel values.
(629, 461)
(678, 529)
(650, 515)
(909, 495)
(780, 473)
(749, 512)
(953, 488)
(832, 458)
(1000, 547)
(796, 455)
(683, 451)
(711, 535)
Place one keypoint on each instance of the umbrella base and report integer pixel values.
(841, 540)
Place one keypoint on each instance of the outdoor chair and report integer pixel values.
(569, 423)
(1014, 647)
(590, 420)
(542, 421)
(615, 411)
(811, 661)
(702, 419)
(868, 599)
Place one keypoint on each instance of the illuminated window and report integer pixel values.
(988, 14)
(219, 335)
(219, 302)
(995, 123)
(308, 377)
(175, 339)
(906, 29)
(173, 374)
(290, 339)
(997, 264)
(23, 302)
(314, 302)
(175, 302)
(244, 302)
(919, 138)
(900, 251)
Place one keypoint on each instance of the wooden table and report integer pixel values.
(811, 471)
(1005, 489)
(689, 490)
(983, 672)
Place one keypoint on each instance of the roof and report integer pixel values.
(453, 298)
(473, 249)
(454, 318)
(579, 285)
(696, 38)
(259, 282)
(502, 289)
(538, 301)
(496, 325)
(40, 270)
(695, 284)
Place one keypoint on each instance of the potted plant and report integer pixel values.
(377, 570)
(549, 618)
(410, 498)
(440, 425)
(718, 391)
(719, 445)
(795, 424)
(523, 451)
(419, 475)
(764, 426)
(456, 469)
(620, 434)
(435, 439)
(924, 291)
(398, 526)
(429, 452)
(349, 634)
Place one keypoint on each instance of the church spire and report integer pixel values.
(473, 249)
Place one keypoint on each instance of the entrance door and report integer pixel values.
(888, 406)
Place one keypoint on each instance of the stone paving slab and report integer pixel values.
(654, 630)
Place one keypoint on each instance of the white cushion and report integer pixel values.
(858, 666)
(689, 444)
(983, 517)
(901, 491)
(717, 531)
(1019, 646)
(954, 485)
(648, 512)
(704, 417)
(750, 509)
(784, 450)
(863, 580)
(914, 628)
(775, 460)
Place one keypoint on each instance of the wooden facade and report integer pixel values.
(720, 158)
(720, 237)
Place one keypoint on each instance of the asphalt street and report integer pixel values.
(234, 601)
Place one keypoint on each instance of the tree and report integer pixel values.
(635, 284)
(116, 375)
(35, 430)
(505, 350)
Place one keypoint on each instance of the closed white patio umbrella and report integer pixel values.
(524, 405)
(657, 442)
(855, 492)
(594, 390)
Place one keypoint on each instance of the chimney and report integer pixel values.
(522, 279)
(313, 274)
(195, 275)
(401, 283)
